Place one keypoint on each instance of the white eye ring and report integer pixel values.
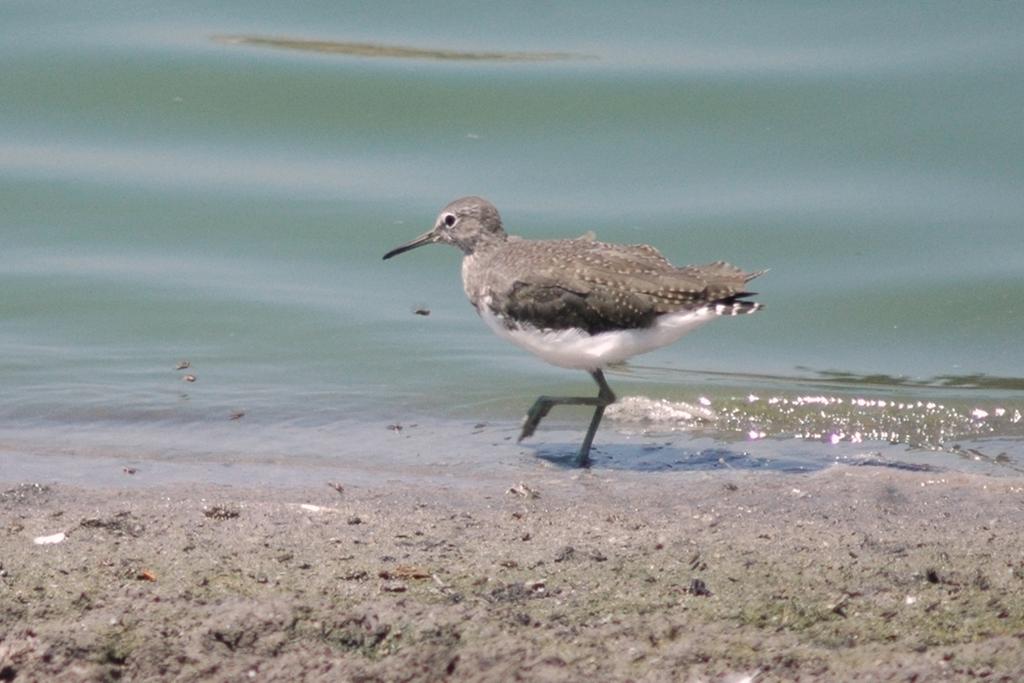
(449, 219)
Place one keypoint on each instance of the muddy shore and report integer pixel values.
(844, 574)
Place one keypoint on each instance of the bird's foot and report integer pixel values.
(538, 411)
(583, 459)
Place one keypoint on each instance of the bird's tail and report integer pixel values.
(735, 305)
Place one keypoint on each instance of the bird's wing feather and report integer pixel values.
(607, 287)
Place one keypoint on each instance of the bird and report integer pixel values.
(580, 303)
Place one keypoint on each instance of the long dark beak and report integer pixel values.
(425, 238)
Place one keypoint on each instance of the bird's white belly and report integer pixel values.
(574, 348)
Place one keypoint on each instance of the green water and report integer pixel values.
(186, 182)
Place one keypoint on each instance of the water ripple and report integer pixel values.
(832, 419)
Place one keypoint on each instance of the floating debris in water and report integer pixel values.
(392, 51)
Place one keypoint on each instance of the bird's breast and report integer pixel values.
(470, 281)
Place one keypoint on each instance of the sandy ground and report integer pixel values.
(845, 574)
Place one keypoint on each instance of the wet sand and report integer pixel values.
(845, 574)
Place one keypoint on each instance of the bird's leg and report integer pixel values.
(543, 405)
(605, 397)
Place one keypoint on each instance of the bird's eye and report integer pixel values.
(449, 219)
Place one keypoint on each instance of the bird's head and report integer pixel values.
(466, 223)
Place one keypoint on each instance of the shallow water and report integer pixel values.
(217, 185)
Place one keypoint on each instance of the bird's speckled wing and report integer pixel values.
(598, 287)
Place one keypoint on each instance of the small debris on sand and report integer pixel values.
(123, 523)
(523, 491)
(404, 571)
(565, 553)
(50, 540)
(220, 512)
(308, 507)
